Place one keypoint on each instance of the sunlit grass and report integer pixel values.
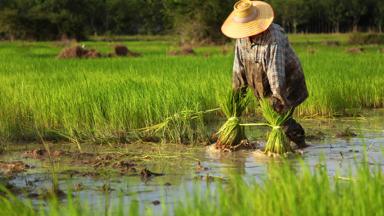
(104, 99)
(288, 192)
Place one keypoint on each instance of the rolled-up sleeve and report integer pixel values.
(239, 80)
(275, 69)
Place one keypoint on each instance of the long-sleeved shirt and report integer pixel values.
(267, 63)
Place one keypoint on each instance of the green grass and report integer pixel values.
(318, 38)
(283, 191)
(288, 192)
(103, 99)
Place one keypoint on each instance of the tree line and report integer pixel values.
(192, 20)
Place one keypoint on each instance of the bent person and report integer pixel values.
(265, 61)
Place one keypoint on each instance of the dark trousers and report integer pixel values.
(295, 132)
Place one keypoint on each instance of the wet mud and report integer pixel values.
(149, 171)
(13, 167)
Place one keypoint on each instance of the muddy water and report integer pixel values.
(96, 179)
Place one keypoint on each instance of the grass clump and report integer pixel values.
(232, 133)
(278, 142)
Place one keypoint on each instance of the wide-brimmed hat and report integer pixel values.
(248, 18)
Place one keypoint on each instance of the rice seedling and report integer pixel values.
(180, 127)
(231, 133)
(96, 99)
(277, 142)
(285, 191)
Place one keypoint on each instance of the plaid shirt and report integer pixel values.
(267, 63)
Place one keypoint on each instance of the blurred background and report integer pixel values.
(194, 21)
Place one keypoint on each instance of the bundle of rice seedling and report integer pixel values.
(72, 52)
(180, 127)
(232, 133)
(278, 142)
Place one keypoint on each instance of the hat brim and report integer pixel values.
(259, 24)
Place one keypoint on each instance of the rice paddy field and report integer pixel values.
(72, 140)
(99, 98)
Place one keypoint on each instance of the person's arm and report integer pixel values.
(239, 80)
(275, 69)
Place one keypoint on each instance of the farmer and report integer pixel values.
(265, 61)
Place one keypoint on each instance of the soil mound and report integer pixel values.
(81, 52)
(78, 52)
(121, 50)
(72, 52)
(183, 51)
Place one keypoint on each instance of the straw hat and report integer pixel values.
(248, 18)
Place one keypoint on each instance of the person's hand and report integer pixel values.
(278, 106)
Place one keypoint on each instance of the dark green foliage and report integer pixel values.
(48, 19)
(53, 19)
(328, 15)
(194, 21)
